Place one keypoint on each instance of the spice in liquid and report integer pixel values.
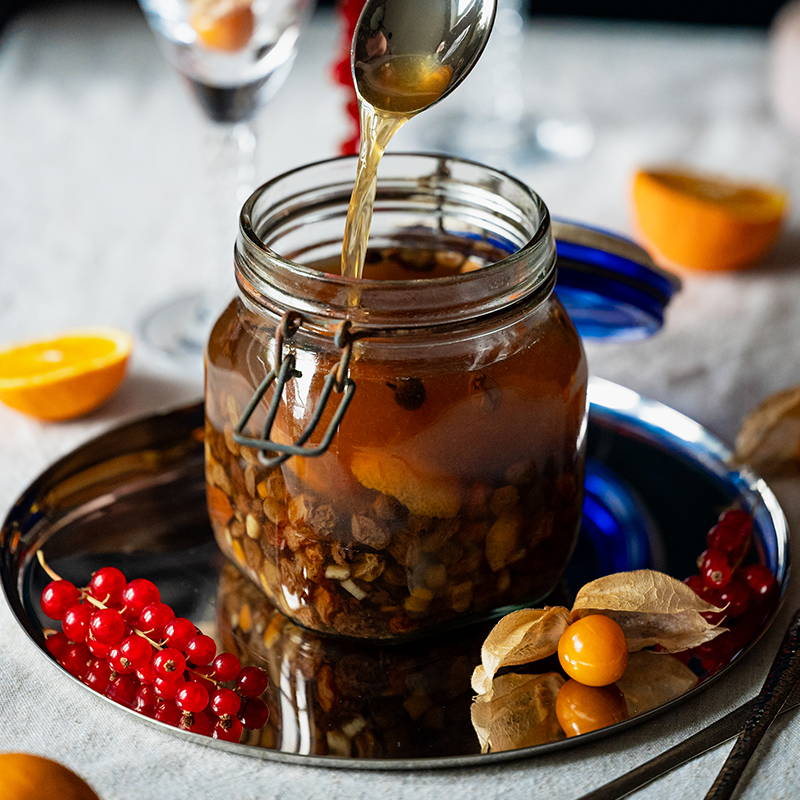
(393, 89)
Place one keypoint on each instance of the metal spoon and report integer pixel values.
(453, 34)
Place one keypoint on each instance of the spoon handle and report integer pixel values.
(783, 675)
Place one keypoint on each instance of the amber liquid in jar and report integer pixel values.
(451, 490)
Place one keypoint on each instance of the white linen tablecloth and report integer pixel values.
(102, 215)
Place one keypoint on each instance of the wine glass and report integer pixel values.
(234, 56)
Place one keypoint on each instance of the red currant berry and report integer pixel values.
(106, 585)
(56, 644)
(146, 674)
(191, 697)
(107, 626)
(759, 578)
(254, 714)
(199, 722)
(98, 675)
(715, 569)
(201, 650)
(229, 730)
(123, 690)
(167, 687)
(225, 703)
(137, 650)
(736, 596)
(696, 584)
(76, 622)
(119, 663)
(153, 619)
(226, 667)
(178, 632)
(731, 534)
(138, 594)
(97, 649)
(168, 712)
(200, 676)
(146, 700)
(169, 662)
(75, 659)
(57, 597)
(252, 682)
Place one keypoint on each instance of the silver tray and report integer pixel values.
(134, 498)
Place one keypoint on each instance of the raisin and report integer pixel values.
(409, 393)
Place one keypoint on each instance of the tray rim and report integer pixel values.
(606, 399)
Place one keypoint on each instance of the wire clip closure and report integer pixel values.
(272, 453)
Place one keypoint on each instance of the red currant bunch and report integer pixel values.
(122, 640)
(727, 583)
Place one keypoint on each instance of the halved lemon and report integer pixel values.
(705, 222)
(64, 377)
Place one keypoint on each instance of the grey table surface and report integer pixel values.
(103, 214)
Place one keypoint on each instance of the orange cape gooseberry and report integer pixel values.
(593, 651)
(581, 708)
(28, 777)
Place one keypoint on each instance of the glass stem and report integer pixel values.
(231, 158)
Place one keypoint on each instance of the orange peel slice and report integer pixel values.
(704, 222)
(64, 377)
(421, 492)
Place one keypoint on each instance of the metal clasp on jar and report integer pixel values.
(273, 453)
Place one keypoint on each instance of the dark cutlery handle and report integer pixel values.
(783, 675)
(706, 739)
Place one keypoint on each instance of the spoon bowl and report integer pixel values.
(408, 55)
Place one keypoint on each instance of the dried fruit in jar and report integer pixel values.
(421, 492)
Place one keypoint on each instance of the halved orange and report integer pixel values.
(699, 221)
(223, 24)
(64, 377)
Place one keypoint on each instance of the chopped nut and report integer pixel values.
(368, 567)
(252, 527)
(295, 539)
(275, 511)
(238, 552)
(369, 532)
(250, 478)
(252, 553)
(272, 486)
(503, 499)
(354, 589)
(336, 572)
(502, 541)
(233, 448)
(476, 503)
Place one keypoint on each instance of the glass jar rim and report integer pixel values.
(539, 247)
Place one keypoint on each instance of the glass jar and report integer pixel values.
(439, 403)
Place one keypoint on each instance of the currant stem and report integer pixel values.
(53, 575)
